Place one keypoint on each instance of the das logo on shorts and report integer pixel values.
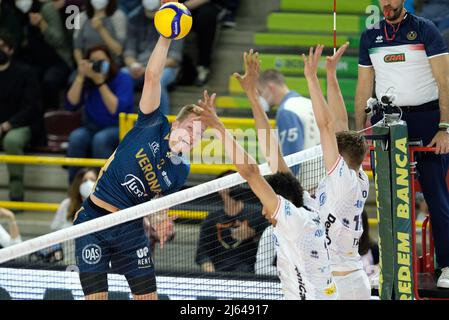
(91, 254)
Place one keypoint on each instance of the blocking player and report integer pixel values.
(302, 256)
(267, 138)
(149, 162)
(342, 194)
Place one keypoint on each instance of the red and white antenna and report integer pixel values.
(335, 26)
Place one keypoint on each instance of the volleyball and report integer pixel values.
(173, 21)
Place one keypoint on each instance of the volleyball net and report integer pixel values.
(220, 247)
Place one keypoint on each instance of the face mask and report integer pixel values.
(151, 5)
(264, 103)
(99, 4)
(86, 188)
(24, 5)
(4, 58)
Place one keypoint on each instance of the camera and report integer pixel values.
(100, 66)
(388, 99)
(97, 66)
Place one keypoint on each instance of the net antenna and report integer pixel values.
(335, 26)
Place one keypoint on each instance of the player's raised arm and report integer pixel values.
(334, 96)
(245, 164)
(151, 94)
(323, 115)
(268, 141)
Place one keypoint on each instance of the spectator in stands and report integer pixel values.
(129, 7)
(231, 10)
(437, 11)
(369, 251)
(79, 190)
(101, 23)
(142, 38)
(229, 236)
(20, 118)
(266, 254)
(13, 20)
(104, 91)
(47, 50)
(205, 15)
(13, 237)
(295, 119)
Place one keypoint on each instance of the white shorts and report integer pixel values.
(354, 286)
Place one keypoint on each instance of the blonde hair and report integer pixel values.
(188, 110)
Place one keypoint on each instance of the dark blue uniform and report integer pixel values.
(141, 168)
(401, 63)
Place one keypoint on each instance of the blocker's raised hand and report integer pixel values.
(332, 62)
(311, 62)
(252, 71)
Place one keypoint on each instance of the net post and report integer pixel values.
(394, 212)
(384, 211)
(402, 212)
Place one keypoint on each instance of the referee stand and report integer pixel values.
(403, 274)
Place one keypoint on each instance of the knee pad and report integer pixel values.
(94, 282)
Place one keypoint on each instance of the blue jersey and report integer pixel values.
(401, 61)
(142, 166)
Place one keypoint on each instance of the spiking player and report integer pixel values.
(342, 194)
(148, 162)
(302, 257)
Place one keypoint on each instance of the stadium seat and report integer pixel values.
(343, 6)
(290, 64)
(58, 125)
(319, 23)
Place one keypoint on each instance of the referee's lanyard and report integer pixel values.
(395, 29)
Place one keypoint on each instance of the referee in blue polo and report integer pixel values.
(408, 58)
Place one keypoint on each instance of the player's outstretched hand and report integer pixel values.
(311, 62)
(209, 115)
(332, 62)
(249, 80)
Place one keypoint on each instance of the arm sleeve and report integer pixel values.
(124, 90)
(266, 253)
(29, 109)
(54, 35)
(291, 132)
(290, 221)
(364, 58)
(205, 241)
(119, 22)
(433, 40)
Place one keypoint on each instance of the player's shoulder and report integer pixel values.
(152, 119)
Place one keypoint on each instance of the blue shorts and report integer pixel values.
(123, 249)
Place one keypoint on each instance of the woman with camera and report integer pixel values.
(104, 91)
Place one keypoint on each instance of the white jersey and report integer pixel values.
(302, 257)
(342, 195)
